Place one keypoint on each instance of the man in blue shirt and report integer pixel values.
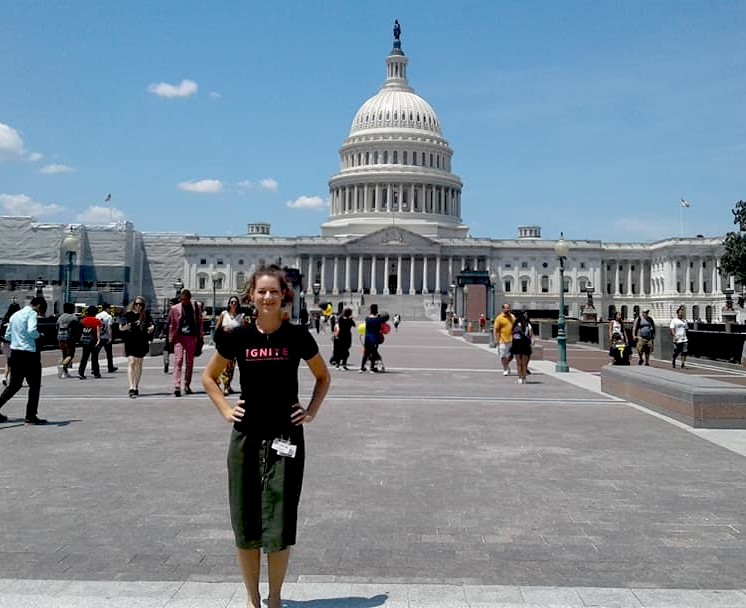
(25, 359)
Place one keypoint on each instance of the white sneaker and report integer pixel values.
(506, 372)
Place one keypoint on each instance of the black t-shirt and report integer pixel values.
(138, 332)
(268, 364)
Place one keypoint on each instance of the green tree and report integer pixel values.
(733, 261)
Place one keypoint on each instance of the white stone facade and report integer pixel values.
(394, 229)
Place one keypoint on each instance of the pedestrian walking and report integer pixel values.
(12, 309)
(482, 322)
(372, 339)
(503, 330)
(68, 333)
(107, 336)
(397, 321)
(679, 328)
(342, 340)
(137, 327)
(229, 319)
(266, 450)
(25, 359)
(520, 346)
(643, 331)
(90, 341)
(184, 336)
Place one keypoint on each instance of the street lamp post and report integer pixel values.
(215, 276)
(561, 249)
(466, 307)
(70, 246)
(493, 283)
(449, 310)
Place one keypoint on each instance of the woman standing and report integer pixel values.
(266, 450)
(616, 326)
(229, 319)
(520, 348)
(138, 329)
(343, 338)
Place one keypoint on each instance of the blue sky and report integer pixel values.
(590, 117)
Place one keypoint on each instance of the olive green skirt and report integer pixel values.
(264, 491)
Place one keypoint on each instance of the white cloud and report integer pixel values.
(21, 204)
(11, 144)
(204, 186)
(244, 185)
(96, 214)
(215, 95)
(34, 157)
(268, 183)
(54, 168)
(163, 89)
(307, 202)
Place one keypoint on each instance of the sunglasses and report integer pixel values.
(233, 302)
(139, 304)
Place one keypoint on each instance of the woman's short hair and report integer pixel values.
(270, 271)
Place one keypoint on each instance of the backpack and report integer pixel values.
(519, 332)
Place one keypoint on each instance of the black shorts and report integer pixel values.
(680, 348)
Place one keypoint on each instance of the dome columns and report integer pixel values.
(401, 198)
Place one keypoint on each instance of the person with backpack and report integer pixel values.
(520, 347)
(90, 340)
(68, 331)
(643, 330)
(106, 336)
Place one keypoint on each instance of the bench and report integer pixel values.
(697, 401)
(477, 338)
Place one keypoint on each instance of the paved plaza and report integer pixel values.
(439, 483)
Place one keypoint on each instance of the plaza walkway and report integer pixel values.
(439, 483)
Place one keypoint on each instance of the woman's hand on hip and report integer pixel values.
(235, 414)
(300, 415)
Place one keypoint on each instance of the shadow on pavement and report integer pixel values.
(19, 422)
(338, 602)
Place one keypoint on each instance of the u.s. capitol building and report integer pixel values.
(394, 235)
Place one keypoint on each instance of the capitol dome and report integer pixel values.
(395, 165)
(395, 109)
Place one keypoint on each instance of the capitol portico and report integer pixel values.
(394, 231)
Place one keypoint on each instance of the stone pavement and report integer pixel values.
(439, 483)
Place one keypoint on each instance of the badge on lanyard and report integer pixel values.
(284, 448)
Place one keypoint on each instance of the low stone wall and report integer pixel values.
(694, 400)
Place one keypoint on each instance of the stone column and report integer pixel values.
(423, 199)
(323, 274)
(347, 274)
(425, 286)
(373, 289)
(411, 275)
(335, 285)
(616, 277)
(366, 187)
(688, 277)
(386, 275)
(377, 202)
(437, 275)
(311, 276)
(411, 198)
(360, 285)
(399, 290)
(450, 271)
(629, 277)
(388, 197)
(701, 273)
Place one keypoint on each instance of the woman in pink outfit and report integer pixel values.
(184, 328)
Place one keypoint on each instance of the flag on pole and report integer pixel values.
(685, 203)
(108, 198)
